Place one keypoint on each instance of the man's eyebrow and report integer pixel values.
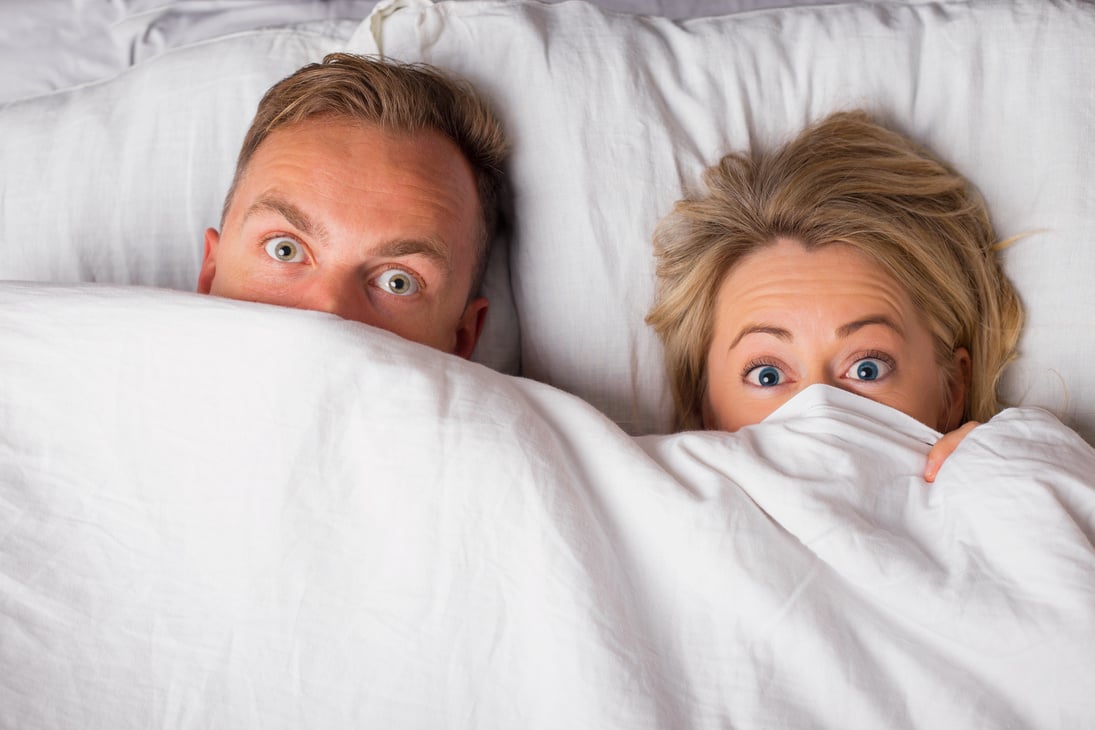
(290, 212)
(429, 247)
(852, 327)
(764, 329)
(396, 248)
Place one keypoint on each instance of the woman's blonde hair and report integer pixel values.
(843, 180)
(399, 97)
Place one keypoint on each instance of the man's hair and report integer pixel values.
(844, 180)
(397, 97)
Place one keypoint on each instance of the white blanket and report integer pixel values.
(215, 514)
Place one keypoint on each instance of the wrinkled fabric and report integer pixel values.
(217, 514)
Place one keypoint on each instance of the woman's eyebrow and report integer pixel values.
(764, 329)
(847, 330)
(290, 212)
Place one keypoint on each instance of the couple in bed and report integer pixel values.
(849, 256)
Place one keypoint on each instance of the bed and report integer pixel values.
(222, 514)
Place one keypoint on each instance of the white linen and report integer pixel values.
(615, 116)
(219, 514)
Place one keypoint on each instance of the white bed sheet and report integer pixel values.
(216, 514)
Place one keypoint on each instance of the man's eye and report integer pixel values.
(765, 376)
(868, 369)
(284, 249)
(397, 281)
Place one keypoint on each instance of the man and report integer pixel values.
(368, 190)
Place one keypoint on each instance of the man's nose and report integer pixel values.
(342, 296)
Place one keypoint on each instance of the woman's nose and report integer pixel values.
(824, 377)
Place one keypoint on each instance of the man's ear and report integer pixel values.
(470, 327)
(209, 261)
(959, 388)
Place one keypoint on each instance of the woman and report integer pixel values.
(850, 256)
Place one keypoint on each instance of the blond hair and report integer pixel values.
(398, 97)
(844, 180)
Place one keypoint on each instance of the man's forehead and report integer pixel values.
(412, 193)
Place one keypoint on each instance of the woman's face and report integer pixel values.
(787, 318)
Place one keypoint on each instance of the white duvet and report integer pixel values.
(222, 515)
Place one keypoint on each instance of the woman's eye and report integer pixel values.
(397, 281)
(765, 376)
(868, 369)
(285, 249)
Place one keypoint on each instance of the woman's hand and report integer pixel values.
(944, 447)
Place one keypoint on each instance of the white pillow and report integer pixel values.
(48, 46)
(116, 181)
(614, 117)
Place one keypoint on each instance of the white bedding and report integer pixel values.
(216, 514)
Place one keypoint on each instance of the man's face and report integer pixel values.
(373, 226)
